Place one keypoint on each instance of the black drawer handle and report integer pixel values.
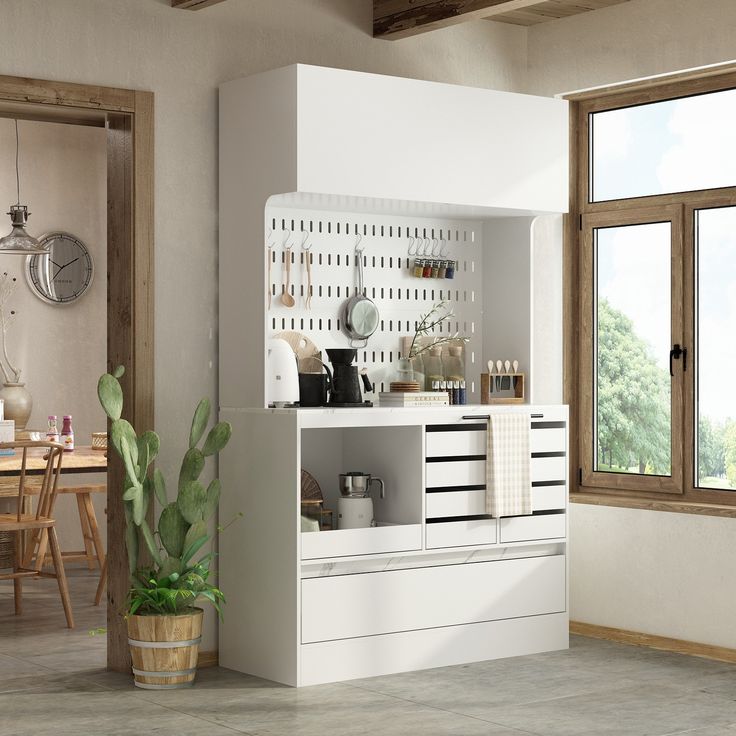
(488, 416)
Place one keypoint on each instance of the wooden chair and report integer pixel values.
(40, 525)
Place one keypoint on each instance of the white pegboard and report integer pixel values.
(400, 297)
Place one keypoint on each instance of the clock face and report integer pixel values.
(64, 274)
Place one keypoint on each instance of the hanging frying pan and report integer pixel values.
(360, 316)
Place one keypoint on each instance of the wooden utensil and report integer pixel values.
(286, 298)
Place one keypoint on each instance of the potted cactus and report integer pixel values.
(164, 624)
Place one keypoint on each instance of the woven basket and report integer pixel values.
(6, 550)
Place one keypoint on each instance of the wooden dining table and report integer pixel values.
(83, 459)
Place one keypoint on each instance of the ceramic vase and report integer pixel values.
(18, 403)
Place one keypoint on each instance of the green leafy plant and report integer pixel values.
(176, 579)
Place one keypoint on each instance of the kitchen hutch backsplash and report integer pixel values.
(390, 246)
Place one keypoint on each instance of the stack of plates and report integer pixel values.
(404, 386)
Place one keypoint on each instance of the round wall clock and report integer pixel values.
(65, 274)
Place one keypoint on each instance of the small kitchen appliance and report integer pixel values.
(355, 505)
(282, 375)
(345, 390)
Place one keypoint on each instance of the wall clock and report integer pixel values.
(65, 274)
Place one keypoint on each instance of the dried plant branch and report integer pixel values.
(427, 323)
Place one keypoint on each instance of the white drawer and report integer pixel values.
(448, 444)
(455, 473)
(368, 604)
(548, 440)
(372, 541)
(524, 528)
(456, 503)
(464, 533)
(549, 468)
(547, 498)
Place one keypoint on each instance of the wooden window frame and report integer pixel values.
(682, 495)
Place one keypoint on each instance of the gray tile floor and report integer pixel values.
(52, 681)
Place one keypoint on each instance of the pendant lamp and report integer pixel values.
(19, 242)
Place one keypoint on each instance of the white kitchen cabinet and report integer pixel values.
(435, 562)
(328, 159)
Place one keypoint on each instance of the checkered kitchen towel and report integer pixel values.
(508, 465)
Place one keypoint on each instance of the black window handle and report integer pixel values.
(676, 353)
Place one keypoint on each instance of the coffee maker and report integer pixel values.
(345, 390)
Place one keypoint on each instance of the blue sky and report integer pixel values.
(672, 146)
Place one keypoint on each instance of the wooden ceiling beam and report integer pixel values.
(394, 19)
(194, 4)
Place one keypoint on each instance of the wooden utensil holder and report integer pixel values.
(488, 388)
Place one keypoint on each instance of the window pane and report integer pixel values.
(716, 349)
(633, 339)
(663, 147)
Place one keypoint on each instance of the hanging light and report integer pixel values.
(19, 242)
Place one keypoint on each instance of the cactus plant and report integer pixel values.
(175, 580)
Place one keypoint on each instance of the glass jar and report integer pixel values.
(432, 367)
(454, 365)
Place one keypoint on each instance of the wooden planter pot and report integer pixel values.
(164, 649)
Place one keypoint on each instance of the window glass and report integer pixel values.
(663, 147)
(632, 414)
(715, 234)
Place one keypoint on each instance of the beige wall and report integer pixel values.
(182, 57)
(660, 573)
(635, 39)
(60, 349)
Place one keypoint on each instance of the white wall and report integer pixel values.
(660, 573)
(61, 350)
(183, 57)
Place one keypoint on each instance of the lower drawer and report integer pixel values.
(461, 533)
(525, 528)
(367, 604)
(549, 498)
(372, 541)
(456, 503)
(449, 473)
(548, 468)
(473, 503)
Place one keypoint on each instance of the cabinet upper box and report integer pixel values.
(317, 130)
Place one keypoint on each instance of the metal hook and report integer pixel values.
(435, 243)
(305, 238)
(444, 249)
(412, 246)
(358, 238)
(287, 237)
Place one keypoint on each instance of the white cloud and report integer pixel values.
(704, 155)
(612, 135)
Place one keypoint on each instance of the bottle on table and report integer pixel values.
(52, 433)
(67, 433)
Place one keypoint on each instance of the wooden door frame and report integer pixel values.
(130, 268)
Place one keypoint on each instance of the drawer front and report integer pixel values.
(548, 468)
(548, 498)
(372, 541)
(456, 503)
(455, 473)
(548, 440)
(527, 528)
(368, 604)
(449, 444)
(465, 533)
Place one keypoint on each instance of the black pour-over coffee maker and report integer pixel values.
(345, 384)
